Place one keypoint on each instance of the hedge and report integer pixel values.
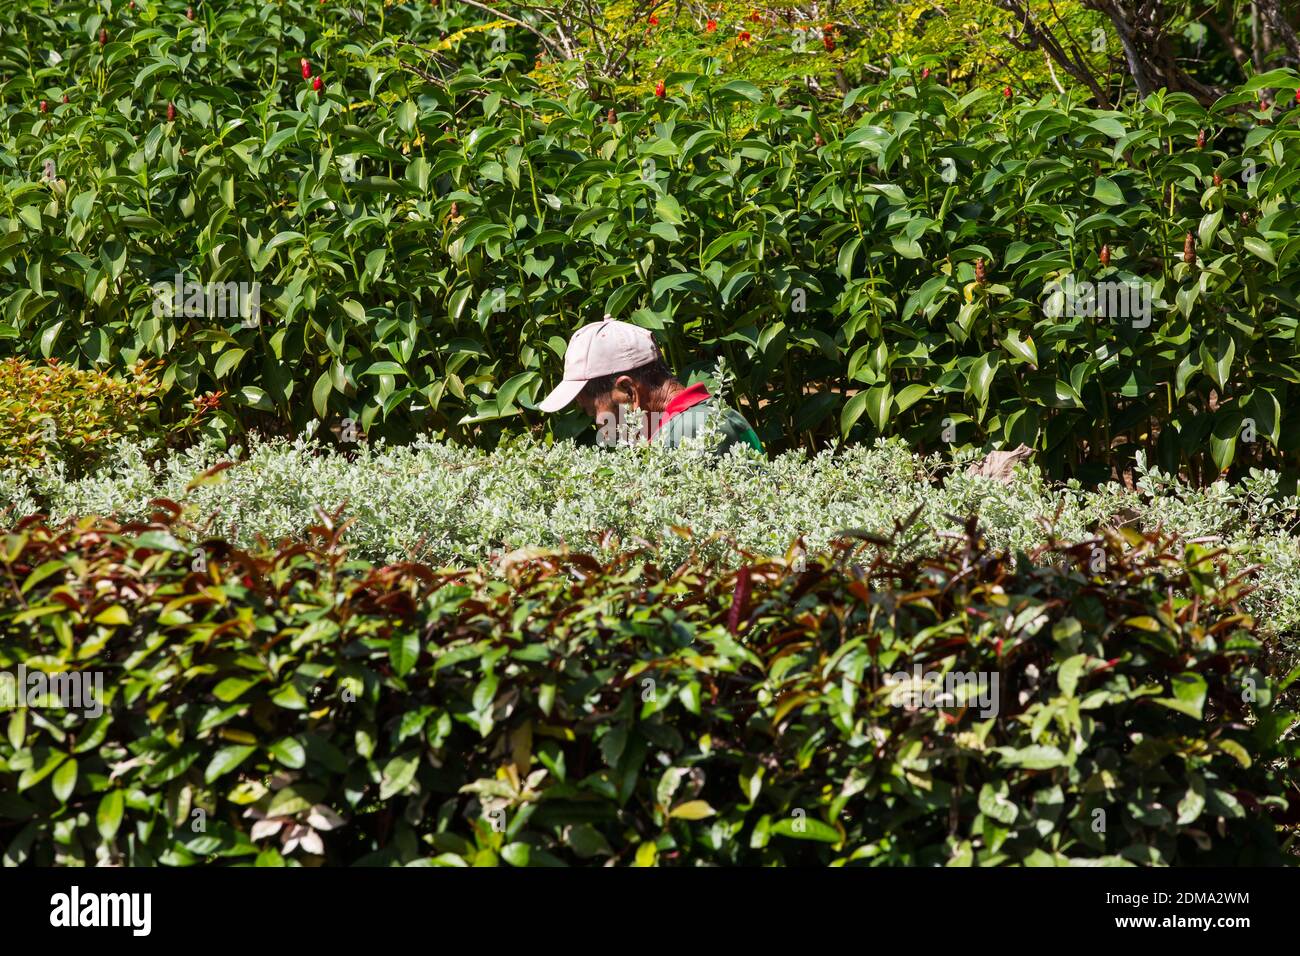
(446, 504)
(293, 706)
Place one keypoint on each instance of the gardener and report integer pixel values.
(611, 364)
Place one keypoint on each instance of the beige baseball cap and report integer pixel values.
(600, 348)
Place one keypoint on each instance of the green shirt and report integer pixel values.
(689, 422)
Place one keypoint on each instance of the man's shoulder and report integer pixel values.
(691, 422)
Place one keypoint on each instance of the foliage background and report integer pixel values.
(430, 226)
(292, 707)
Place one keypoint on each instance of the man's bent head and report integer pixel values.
(608, 364)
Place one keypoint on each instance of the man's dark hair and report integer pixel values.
(651, 375)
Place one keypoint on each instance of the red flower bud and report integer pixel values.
(744, 36)
(755, 16)
(1297, 95)
(44, 107)
(817, 140)
(455, 210)
(171, 112)
(925, 74)
(189, 13)
(611, 117)
(1189, 249)
(1006, 92)
(653, 21)
(306, 68)
(710, 26)
(828, 42)
(65, 97)
(1105, 256)
(1200, 140)
(317, 85)
(1218, 180)
(659, 88)
(103, 36)
(981, 274)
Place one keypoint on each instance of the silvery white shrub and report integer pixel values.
(452, 505)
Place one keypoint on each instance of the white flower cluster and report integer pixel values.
(452, 505)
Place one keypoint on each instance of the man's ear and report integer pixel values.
(624, 391)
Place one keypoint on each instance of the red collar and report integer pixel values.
(683, 400)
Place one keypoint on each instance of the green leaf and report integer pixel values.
(851, 412)
(108, 818)
(398, 774)
(692, 810)
(1217, 354)
(879, 400)
(320, 393)
(404, 650)
(995, 803)
(225, 760)
(1190, 690)
(1035, 757)
(65, 778)
(805, 828)
(290, 752)
(1106, 192)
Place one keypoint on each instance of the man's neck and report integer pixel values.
(658, 400)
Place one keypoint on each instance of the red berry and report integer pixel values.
(713, 25)
(171, 112)
(44, 107)
(659, 88)
(317, 85)
(103, 36)
(1006, 92)
(306, 68)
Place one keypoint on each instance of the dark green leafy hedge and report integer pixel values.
(291, 706)
(430, 226)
